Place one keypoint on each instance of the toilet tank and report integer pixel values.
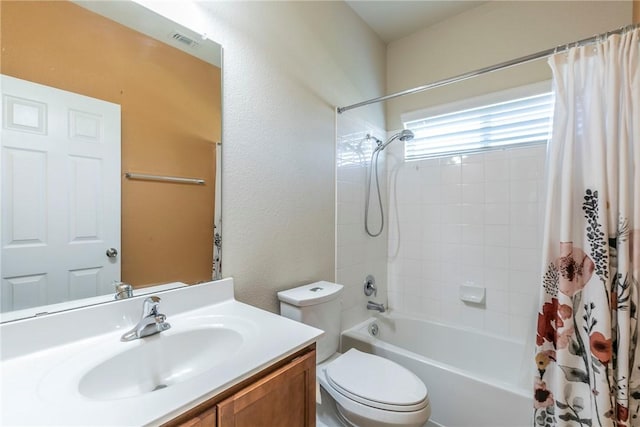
(317, 305)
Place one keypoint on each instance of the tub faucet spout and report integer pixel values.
(375, 306)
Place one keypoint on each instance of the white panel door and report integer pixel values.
(60, 195)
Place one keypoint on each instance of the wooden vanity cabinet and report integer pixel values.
(205, 419)
(282, 395)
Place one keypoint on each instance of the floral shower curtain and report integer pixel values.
(588, 363)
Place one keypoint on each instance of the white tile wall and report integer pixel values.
(473, 218)
(357, 254)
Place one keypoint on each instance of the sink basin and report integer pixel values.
(159, 361)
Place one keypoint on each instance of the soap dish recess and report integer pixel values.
(472, 293)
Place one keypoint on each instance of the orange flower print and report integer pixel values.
(575, 268)
(542, 361)
(600, 347)
(565, 311)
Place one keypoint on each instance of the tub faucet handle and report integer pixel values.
(370, 286)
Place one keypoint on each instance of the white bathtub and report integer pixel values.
(474, 380)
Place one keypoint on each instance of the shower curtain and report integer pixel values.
(587, 358)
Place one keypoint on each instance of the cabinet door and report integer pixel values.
(284, 398)
(205, 419)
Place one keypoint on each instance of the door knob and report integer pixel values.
(112, 252)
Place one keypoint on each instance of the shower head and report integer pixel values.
(404, 135)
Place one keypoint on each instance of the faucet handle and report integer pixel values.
(151, 322)
(150, 306)
(370, 286)
(123, 290)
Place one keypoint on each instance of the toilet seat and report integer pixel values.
(376, 382)
(358, 411)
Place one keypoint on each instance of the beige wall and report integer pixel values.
(286, 66)
(489, 34)
(296, 61)
(167, 232)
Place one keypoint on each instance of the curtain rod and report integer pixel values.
(492, 68)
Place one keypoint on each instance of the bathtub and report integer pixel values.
(473, 379)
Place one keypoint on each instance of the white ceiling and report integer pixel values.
(394, 19)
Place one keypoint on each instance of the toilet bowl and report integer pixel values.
(368, 390)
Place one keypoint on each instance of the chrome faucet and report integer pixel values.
(123, 290)
(375, 306)
(151, 323)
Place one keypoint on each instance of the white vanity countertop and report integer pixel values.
(43, 359)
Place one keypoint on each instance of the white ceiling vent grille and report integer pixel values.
(185, 40)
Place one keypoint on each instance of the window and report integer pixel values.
(519, 120)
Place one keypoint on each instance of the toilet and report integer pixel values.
(368, 390)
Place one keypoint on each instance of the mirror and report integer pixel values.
(110, 157)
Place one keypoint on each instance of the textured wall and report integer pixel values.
(286, 66)
(489, 34)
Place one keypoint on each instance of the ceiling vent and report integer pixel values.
(185, 40)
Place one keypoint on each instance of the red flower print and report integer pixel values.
(542, 396)
(575, 268)
(622, 412)
(600, 347)
(547, 322)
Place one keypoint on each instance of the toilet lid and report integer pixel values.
(376, 381)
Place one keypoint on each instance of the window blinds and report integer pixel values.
(515, 122)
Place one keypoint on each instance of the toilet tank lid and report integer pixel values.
(311, 294)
